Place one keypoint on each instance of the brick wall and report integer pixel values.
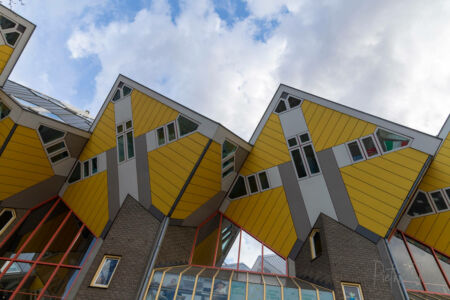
(176, 247)
(132, 237)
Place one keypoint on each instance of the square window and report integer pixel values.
(352, 291)
(369, 146)
(119, 128)
(355, 151)
(292, 142)
(129, 124)
(105, 271)
(304, 138)
(161, 136)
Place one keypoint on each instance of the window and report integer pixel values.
(420, 205)
(438, 200)
(122, 91)
(447, 192)
(171, 133)
(7, 216)
(11, 34)
(186, 126)
(105, 271)
(369, 146)
(161, 136)
(94, 166)
(303, 155)
(4, 110)
(281, 107)
(49, 134)
(53, 141)
(263, 180)
(228, 150)
(239, 189)
(166, 134)
(355, 151)
(286, 105)
(125, 141)
(252, 184)
(86, 169)
(352, 291)
(315, 243)
(390, 141)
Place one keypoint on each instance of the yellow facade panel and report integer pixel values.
(378, 187)
(103, 137)
(5, 54)
(269, 150)
(5, 128)
(170, 166)
(148, 113)
(88, 199)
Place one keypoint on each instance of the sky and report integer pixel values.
(226, 58)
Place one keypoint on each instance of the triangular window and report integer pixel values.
(49, 134)
(186, 126)
(420, 206)
(391, 141)
(239, 189)
(280, 107)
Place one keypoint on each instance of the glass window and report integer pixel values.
(420, 205)
(438, 200)
(86, 169)
(128, 124)
(298, 163)
(7, 216)
(154, 285)
(130, 144)
(284, 95)
(447, 191)
(292, 142)
(355, 152)
(4, 110)
(273, 292)
(228, 248)
(280, 107)
(121, 148)
(404, 263)
(161, 136)
(59, 156)
(205, 245)
(290, 290)
(369, 146)
(81, 248)
(187, 283)
(126, 90)
(263, 180)
(311, 159)
(293, 102)
(251, 253)
(116, 95)
(238, 288)
(105, 271)
(221, 283)
(391, 141)
(61, 283)
(186, 126)
(316, 244)
(76, 173)
(228, 148)
(120, 129)
(170, 282)
(228, 171)
(11, 37)
(228, 162)
(21, 28)
(304, 138)
(171, 132)
(273, 263)
(308, 291)
(239, 188)
(6, 23)
(39, 274)
(445, 263)
(252, 184)
(255, 291)
(352, 291)
(56, 147)
(204, 282)
(428, 267)
(49, 134)
(94, 166)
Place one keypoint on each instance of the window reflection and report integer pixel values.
(273, 289)
(228, 248)
(154, 285)
(221, 283)
(238, 286)
(307, 290)
(273, 263)
(187, 283)
(203, 288)
(169, 285)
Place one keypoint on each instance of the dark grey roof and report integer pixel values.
(44, 105)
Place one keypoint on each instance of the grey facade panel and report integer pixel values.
(295, 200)
(112, 172)
(205, 210)
(368, 234)
(143, 175)
(75, 144)
(336, 188)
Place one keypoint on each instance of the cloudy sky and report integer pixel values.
(226, 58)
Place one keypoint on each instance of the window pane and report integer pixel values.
(171, 131)
(186, 126)
(354, 151)
(187, 283)
(6, 23)
(37, 279)
(61, 283)
(447, 191)
(252, 184)
(439, 200)
(304, 138)
(116, 96)
(428, 267)
(228, 148)
(289, 288)
(121, 148)
(281, 107)
(238, 290)
(161, 136)
(205, 245)
(239, 188)
(129, 124)
(4, 110)
(263, 180)
(228, 248)
(119, 128)
(59, 156)
(76, 174)
(293, 102)
(5, 217)
(251, 251)
(20, 235)
(292, 142)
(228, 171)
(352, 292)
(86, 168)
(325, 295)
(11, 37)
(308, 291)
(298, 163)
(369, 146)
(317, 244)
(203, 289)
(390, 141)
(273, 292)
(94, 165)
(154, 285)
(169, 284)
(55, 147)
(105, 275)
(81, 248)
(445, 263)
(130, 144)
(311, 159)
(255, 291)
(273, 263)
(228, 162)
(404, 263)
(221, 283)
(420, 205)
(126, 90)
(14, 275)
(49, 134)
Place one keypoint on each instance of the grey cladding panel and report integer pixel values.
(143, 175)
(336, 187)
(75, 144)
(112, 172)
(205, 210)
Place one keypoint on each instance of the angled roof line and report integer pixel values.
(445, 128)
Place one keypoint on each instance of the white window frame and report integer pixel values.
(258, 187)
(301, 146)
(434, 204)
(54, 142)
(91, 165)
(178, 125)
(393, 132)
(99, 269)
(167, 132)
(429, 202)
(124, 133)
(165, 136)
(357, 285)
(2, 230)
(286, 102)
(377, 146)
(120, 89)
(259, 181)
(360, 149)
(445, 195)
(89, 169)
(292, 137)
(247, 188)
(306, 161)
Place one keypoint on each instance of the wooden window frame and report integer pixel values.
(344, 283)
(99, 269)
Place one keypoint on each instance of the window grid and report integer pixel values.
(300, 147)
(37, 261)
(286, 103)
(56, 155)
(444, 192)
(125, 144)
(433, 251)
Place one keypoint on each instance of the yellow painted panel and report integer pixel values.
(414, 226)
(88, 199)
(269, 150)
(170, 166)
(378, 187)
(20, 166)
(5, 128)
(266, 216)
(5, 54)
(438, 174)
(329, 128)
(443, 242)
(103, 137)
(201, 189)
(149, 113)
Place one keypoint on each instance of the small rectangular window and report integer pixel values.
(228, 162)
(59, 156)
(121, 148)
(355, 151)
(129, 124)
(252, 184)
(292, 142)
(298, 162)
(369, 146)
(120, 129)
(304, 138)
(105, 271)
(171, 134)
(447, 191)
(438, 200)
(161, 136)
(130, 144)
(86, 169)
(263, 180)
(94, 166)
(311, 159)
(55, 147)
(352, 291)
